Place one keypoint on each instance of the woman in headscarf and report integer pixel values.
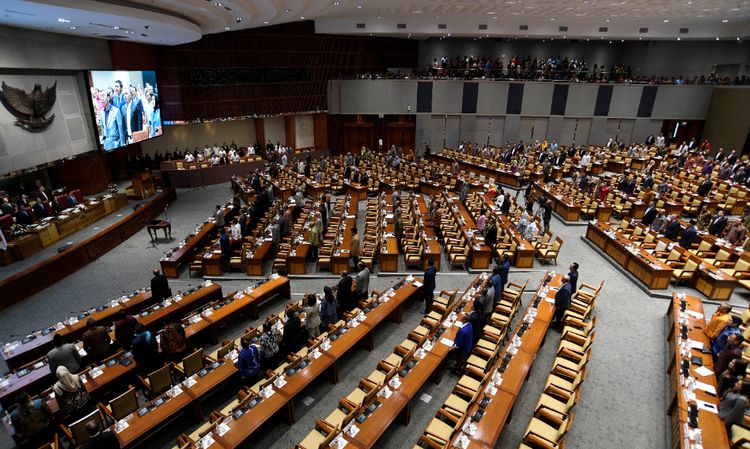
(69, 391)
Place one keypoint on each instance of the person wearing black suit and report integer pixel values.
(705, 187)
(630, 189)
(344, 295)
(562, 302)
(160, 286)
(295, 334)
(718, 224)
(6, 207)
(584, 182)
(689, 235)
(71, 200)
(672, 230)
(428, 286)
(24, 217)
(490, 237)
(573, 275)
(560, 160)
(623, 184)
(648, 182)
(39, 210)
(649, 215)
(132, 115)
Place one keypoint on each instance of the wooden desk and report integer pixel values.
(714, 283)
(174, 262)
(256, 258)
(713, 431)
(480, 253)
(643, 265)
(152, 317)
(500, 407)
(524, 249)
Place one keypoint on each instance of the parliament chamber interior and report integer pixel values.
(330, 224)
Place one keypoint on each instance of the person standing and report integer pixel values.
(96, 340)
(462, 347)
(344, 294)
(124, 329)
(69, 391)
(294, 335)
(173, 341)
(573, 275)
(269, 346)
(145, 349)
(63, 354)
(226, 249)
(562, 303)
(504, 271)
(732, 327)
(328, 309)
(219, 216)
(733, 404)
(497, 286)
(315, 233)
(248, 362)
(312, 316)
(31, 420)
(160, 286)
(689, 235)
(428, 288)
(547, 215)
(355, 246)
(363, 281)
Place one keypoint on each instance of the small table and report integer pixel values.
(155, 225)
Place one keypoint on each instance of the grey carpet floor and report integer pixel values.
(623, 399)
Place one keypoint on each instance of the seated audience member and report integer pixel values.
(96, 340)
(71, 200)
(69, 392)
(269, 346)
(172, 341)
(145, 349)
(6, 207)
(99, 439)
(248, 362)
(733, 404)
(124, 329)
(295, 334)
(63, 354)
(31, 420)
(733, 350)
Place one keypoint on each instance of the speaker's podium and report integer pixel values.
(143, 186)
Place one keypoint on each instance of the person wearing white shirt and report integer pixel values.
(251, 150)
(233, 156)
(207, 151)
(215, 160)
(283, 160)
(531, 231)
(660, 140)
(189, 157)
(216, 148)
(234, 232)
(586, 160)
(683, 149)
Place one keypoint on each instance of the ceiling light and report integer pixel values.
(359, 6)
(610, 42)
(678, 38)
(724, 20)
(552, 19)
(494, 17)
(75, 28)
(640, 38)
(565, 37)
(666, 20)
(265, 22)
(738, 38)
(226, 28)
(61, 20)
(489, 13)
(302, 18)
(379, 16)
(608, 20)
(336, 3)
(116, 27)
(717, 38)
(238, 19)
(287, 10)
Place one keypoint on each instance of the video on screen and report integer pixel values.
(126, 107)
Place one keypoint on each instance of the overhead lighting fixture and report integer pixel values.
(738, 38)
(666, 20)
(116, 27)
(552, 19)
(359, 6)
(238, 19)
(678, 38)
(724, 20)
(226, 28)
(287, 10)
(61, 20)
(75, 28)
(379, 16)
(302, 18)
(717, 38)
(607, 20)
(336, 3)
(265, 22)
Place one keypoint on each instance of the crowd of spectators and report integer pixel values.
(553, 68)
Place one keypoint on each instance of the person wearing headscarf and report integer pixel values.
(69, 391)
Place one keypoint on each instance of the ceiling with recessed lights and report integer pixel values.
(171, 22)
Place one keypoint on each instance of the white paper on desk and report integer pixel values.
(121, 425)
(279, 382)
(446, 342)
(417, 284)
(549, 299)
(339, 442)
(189, 382)
(708, 388)
(222, 428)
(82, 352)
(707, 407)
(94, 373)
(205, 442)
(703, 371)
(694, 314)
(696, 345)
(267, 392)
(352, 430)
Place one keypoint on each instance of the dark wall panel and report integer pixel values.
(559, 99)
(424, 96)
(469, 103)
(603, 99)
(648, 96)
(515, 98)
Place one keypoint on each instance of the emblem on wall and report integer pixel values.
(30, 109)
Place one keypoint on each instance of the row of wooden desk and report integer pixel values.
(501, 176)
(685, 339)
(479, 252)
(278, 395)
(525, 251)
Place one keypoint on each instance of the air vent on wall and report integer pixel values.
(684, 30)
(523, 27)
(603, 29)
(483, 26)
(400, 26)
(643, 30)
(360, 26)
(563, 29)
(442, 26)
